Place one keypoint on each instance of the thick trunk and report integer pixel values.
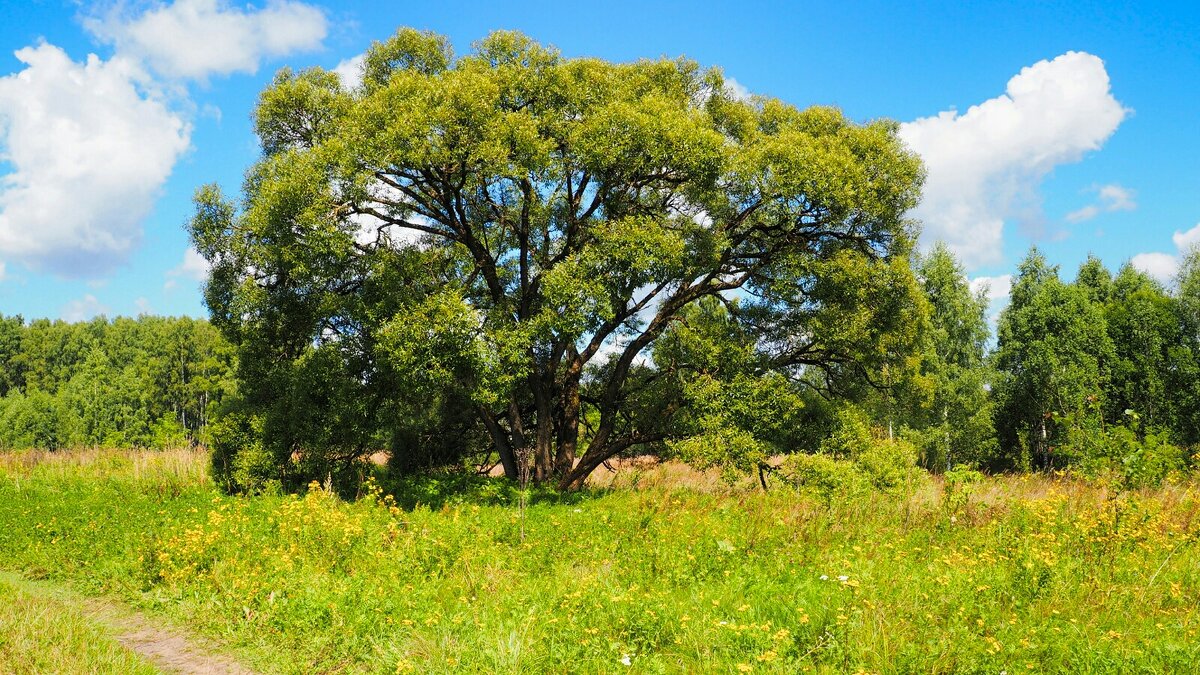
(543, 455)
(591, 460)
(568, 428)
(520, 447)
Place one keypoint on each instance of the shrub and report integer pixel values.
(1149, 462)
(825, 477)
(240, 463)
(889, 465)
(1135, 462)
(851, 435)
(886, 464)
(958, 484)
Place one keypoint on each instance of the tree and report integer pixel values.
(1146, 332)
(506, 235)
(12, 330)
(1095, 280)
(1053, 353)
(1184, 373)
(957, 421)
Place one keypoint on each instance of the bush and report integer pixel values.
(886, 464)
(958, 484)
(1149, 462)
(851, 435)
(240, 463)
(889, 465)
(1133, 462)
(825, 477)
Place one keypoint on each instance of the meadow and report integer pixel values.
(659, 569)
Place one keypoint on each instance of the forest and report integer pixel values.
(1096, 373)
(150, 382)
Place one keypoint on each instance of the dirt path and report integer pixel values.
(168, 648)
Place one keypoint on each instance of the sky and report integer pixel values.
(1072, 128)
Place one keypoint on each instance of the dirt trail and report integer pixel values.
(167, 648)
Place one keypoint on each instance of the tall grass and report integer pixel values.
(673, 574)
(43, 634)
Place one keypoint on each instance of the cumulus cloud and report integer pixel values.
(83, 309)
(1110, 198)
(86, 147)
(194, 39)
(998, 287)
(985, 165)
(737, 89)
(1161, 266)
(1164, 266)
(90, 145)
(1185, 240)
(193, 267)
(997, 290)
(350, 71)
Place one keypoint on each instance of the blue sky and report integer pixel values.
(1072, 128)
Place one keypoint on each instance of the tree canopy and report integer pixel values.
(486, 251)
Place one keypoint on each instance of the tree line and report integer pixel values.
(145, 382)
(515, 258)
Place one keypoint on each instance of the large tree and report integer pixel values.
(1054, 356)
(493, 244)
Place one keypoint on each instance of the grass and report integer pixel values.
(659, 573)
(40, 633)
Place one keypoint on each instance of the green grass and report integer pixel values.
(40, 633)
(1031, 575)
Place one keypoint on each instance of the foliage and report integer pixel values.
(146, 382)
(1055, 356)
(853, 459)
(488, 247)
(958, 484)
(953, 423)
(830, 479)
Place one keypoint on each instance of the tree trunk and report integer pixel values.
(568, 427)
(507, 458)
(543, 455)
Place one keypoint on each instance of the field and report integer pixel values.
(661, 571)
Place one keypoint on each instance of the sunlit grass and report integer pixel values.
(42, 634)
(1032, 574)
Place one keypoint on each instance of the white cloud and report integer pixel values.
(998, 290)
(1164, 266)
(143, 306)
(2, 270)
(998, 287)
(984, 166)
(196, 38)
(737, 89)
(1161, 266)
(83, 309)
(1185, 240)
(350, 71)
(1086, 213)
(1112, 197)
(90, 145)
(1117, 198)
(193, 267)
